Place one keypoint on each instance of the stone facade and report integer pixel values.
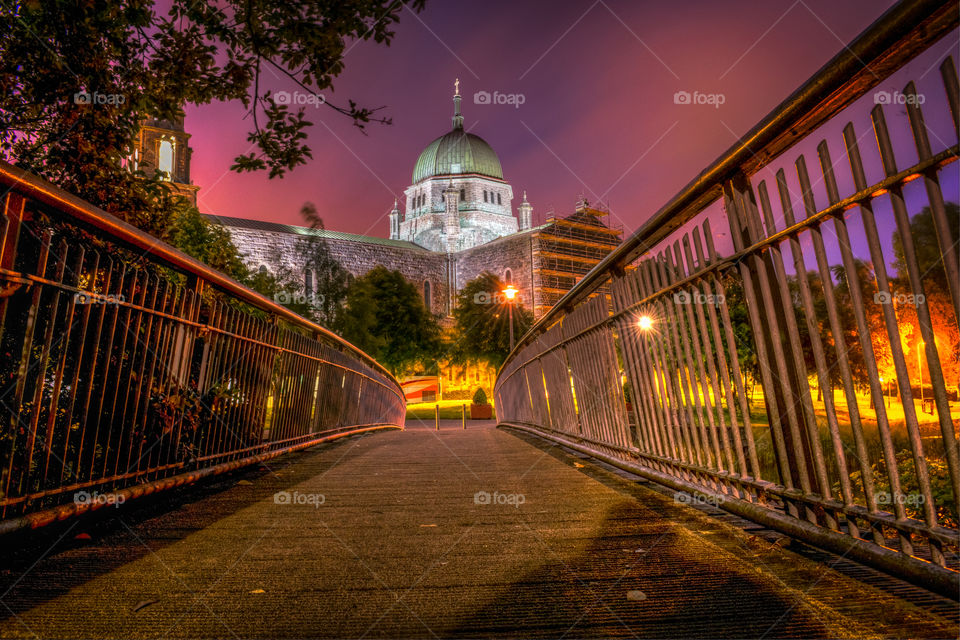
(483, 206)
(258, 241)
(510, 258)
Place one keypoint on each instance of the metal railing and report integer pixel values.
(127, 367)
(655, 376)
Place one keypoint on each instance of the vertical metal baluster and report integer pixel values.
(702, 386)
(813, 444)
(138, 422)
(712, 377)
(23, 373)
(787, 390)
(948, 72)
(668, 389)
(623, 299)
(766, 373)
(56, 293)
(836, 329)
(823, 371)
(950, 257)
(926, 331)
(82, 352)
(134, 370)
(731, 343)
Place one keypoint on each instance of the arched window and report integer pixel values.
(499, 201)
(485, 195)
(308, 282)
(263, 269)
(426, 294)
(508, 276)
(165, 158)
(463, 195)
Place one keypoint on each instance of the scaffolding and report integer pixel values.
(569, 248)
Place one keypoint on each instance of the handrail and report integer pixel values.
(43, 191)
(882, 47)
(121, 380)
(652, 372)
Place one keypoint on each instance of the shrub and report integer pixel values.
(479, 397)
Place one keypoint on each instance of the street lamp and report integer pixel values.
(645, 323)
(920, 370)
(510, 293)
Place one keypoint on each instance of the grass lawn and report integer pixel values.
(449, 409)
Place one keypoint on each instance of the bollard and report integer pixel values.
(436, 416)
(463, 417)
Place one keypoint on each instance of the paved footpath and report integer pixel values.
(392, 535)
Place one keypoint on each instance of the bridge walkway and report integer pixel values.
(390, 535)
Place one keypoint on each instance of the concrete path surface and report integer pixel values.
(423, 534)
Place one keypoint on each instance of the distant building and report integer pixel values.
(163, 147)
(457, 222)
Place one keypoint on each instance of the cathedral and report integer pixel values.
(457, 222)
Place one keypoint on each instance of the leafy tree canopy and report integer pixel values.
(929, 258)
(482, 331)
(320, 298)
(135, 60)
(386, 317)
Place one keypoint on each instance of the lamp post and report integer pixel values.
(510, 292)
(920, 371)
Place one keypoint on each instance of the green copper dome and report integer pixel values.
(457, 152)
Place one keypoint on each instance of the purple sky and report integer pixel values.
(598, 118)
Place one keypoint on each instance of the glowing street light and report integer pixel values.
(645, 323)
(510, 293)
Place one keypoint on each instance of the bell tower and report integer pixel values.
(163, 150)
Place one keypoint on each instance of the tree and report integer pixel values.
(210, 243)
(386, 317)
(873, 314)
(322, 298)
(79, 78)
(330, 280)
(929, 258)
(482, 322)
(742, 331)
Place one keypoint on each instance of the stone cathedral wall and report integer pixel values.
(516, 253)
(357, 257)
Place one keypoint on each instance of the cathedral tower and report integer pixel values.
(458, 198)
(163, 147)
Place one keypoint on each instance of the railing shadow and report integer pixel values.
(43, 565)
